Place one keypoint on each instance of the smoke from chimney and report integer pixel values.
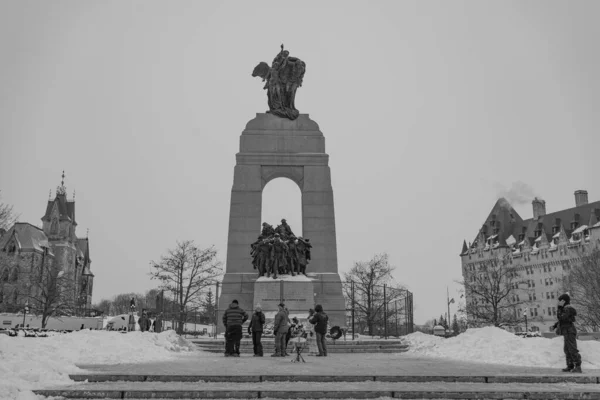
(519, 193)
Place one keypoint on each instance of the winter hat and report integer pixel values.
(565, 297)
(235, 302)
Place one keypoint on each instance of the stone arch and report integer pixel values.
(293, 173)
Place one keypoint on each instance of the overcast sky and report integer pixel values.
(430, 110)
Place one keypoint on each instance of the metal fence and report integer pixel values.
(372, 310)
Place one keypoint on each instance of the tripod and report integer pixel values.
(300, 345)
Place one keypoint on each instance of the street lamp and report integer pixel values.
(525, 315)
(25, 311)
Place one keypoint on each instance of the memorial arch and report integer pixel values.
(273, 147)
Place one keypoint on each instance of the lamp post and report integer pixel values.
(525, 315)
(25, 311)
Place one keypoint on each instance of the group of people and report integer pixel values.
(312, 334)
(145, 323)
(279, 251)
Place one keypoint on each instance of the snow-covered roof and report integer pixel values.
(556, 235)
(580, 229)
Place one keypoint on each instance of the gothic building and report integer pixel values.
(543, 249)
(27, 251)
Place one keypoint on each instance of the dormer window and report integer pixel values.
(521, 237)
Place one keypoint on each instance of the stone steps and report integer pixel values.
(246, 347)
(356, 387)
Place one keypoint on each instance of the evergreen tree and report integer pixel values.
(209, 308)
(455, 327)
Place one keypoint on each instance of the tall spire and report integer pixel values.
(50, 195)
(62, 189)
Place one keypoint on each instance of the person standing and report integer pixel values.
(280, 329)
(320, 320)
(144, 321)
(566, 327)
(256, 329)
(233, 319)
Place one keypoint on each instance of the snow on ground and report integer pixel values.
(30, 363)
(497, 346)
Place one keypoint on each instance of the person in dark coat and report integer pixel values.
(256, 329)
(320, 320)
(144, 322)
(566, 327)
(280, 330)
(233, 319)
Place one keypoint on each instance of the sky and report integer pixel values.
(431, 110)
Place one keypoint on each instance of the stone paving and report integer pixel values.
(200, 363)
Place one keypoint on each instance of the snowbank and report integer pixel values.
(496, 346)
(30, 363)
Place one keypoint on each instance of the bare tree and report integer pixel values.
(186, 271)
(7, 216)
(368, 299)
(583, 285)
(50, 292)
(493, 294)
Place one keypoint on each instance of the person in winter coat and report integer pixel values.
(144, 322)
(233, 319)
(566, 327)
(320, 320)
(256, 329)
(280, 330)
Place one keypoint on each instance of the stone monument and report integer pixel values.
(282, 143)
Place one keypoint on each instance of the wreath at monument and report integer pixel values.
(279, 251)
(335, 332)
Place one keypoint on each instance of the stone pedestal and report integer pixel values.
(273, 147)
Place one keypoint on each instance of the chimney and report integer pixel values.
(581, 198)
(539, 208)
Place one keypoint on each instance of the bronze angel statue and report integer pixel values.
(282, 79)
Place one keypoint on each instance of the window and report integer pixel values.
(535, 311)
(534, 297)
(552, 294)
(547, 295)
(54, 226)
(15, 275)
(553, 310)
(4, 276)
(549, 310)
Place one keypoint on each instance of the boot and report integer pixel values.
(276, 355)
(577, 369)
(568, 369)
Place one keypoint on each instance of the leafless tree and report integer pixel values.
(186, 271)
(7, 216)
(50, 292)
(369, 279)
(493, 293)
(583, 285)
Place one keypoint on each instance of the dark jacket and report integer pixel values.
(281, 322)
(320, 320)
(566, 315)
(144, 322)
(257, 322)
(234, 315)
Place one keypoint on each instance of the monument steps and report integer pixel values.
(246, 347)
(320, 387)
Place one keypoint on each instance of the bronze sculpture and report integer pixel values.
(278, 251)
(282, 79)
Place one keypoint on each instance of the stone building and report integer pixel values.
(27, 250)
(543, 249)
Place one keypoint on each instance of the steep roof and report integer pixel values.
(508, 222)
(27, 237)
(66, 209)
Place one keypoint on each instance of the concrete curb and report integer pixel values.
(582, 379)
(291, 394)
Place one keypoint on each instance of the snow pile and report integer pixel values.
(30, 363)
(496, 346)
